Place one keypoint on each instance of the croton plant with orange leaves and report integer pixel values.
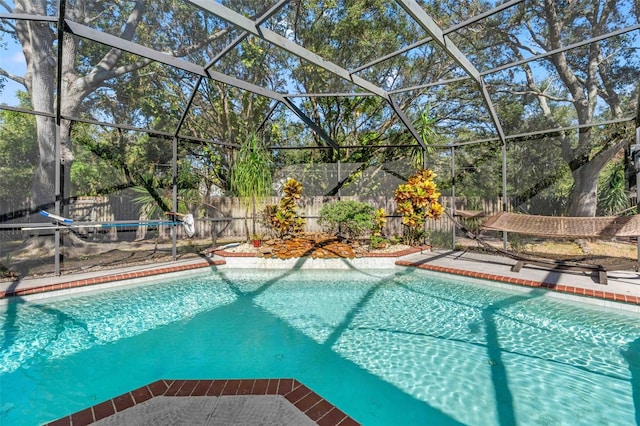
(417, 200)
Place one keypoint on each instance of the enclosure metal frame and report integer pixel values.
(255, 28)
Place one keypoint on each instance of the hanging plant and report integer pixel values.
(417, 200)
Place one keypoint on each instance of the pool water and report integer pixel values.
(394, 347)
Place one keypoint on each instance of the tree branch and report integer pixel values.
(604, 156)
(104, 69)
(560, 61)
(534, 36)
(6, 6)
(7, 27)
(539, 93)
(195, 47)
(16, 78)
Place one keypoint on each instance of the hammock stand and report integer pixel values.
(470, 214)
(560, 227)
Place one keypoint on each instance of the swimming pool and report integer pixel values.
(387, 347)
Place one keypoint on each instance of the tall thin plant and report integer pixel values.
(612, 194)
(426, 126)
(251, 178)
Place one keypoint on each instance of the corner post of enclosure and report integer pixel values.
(59, 166)
(336, 155)
(635, 156)
(453, 195)
(58, 197)
(174, 172)
(504, 188)
(424, 156)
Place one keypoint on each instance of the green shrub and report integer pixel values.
(441, 239)
(349, 218)
(378, 242)
(518, 242)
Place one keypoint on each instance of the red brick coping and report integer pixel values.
(605, 295)
(304, 399)
(615, 297)
(107, 279)
(160, 271)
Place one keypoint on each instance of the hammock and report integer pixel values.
(565, 227)
(590, 227)
(470, 214)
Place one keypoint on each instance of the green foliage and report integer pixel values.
(155, 193)
(283, 219)
(18, 152)
(378, 242)
(518, 242)
(350, 218)
(440, 239)
(379, 221)
(612, 193)
(478, 170)
(251, 175)
(350, 33)
(96, 168)
(418, 200)
(426, 126)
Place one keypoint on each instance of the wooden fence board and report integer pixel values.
(225, 216)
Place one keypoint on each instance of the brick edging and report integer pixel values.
(106, 279)
(304, 399)
(165, 270)
(605, 295)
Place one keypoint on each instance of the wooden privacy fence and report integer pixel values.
(225, 216)
(309, 208)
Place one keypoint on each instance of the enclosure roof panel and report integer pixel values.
(575, 63)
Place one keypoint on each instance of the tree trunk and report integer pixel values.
(36, 39)
(584, 193)
(38, 45)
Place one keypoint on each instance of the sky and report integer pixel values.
(12, 60)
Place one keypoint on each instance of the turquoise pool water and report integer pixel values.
(399, 347)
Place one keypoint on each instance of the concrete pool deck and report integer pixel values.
(621, 292)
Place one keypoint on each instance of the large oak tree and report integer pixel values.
(593, 79)
(597, 81)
